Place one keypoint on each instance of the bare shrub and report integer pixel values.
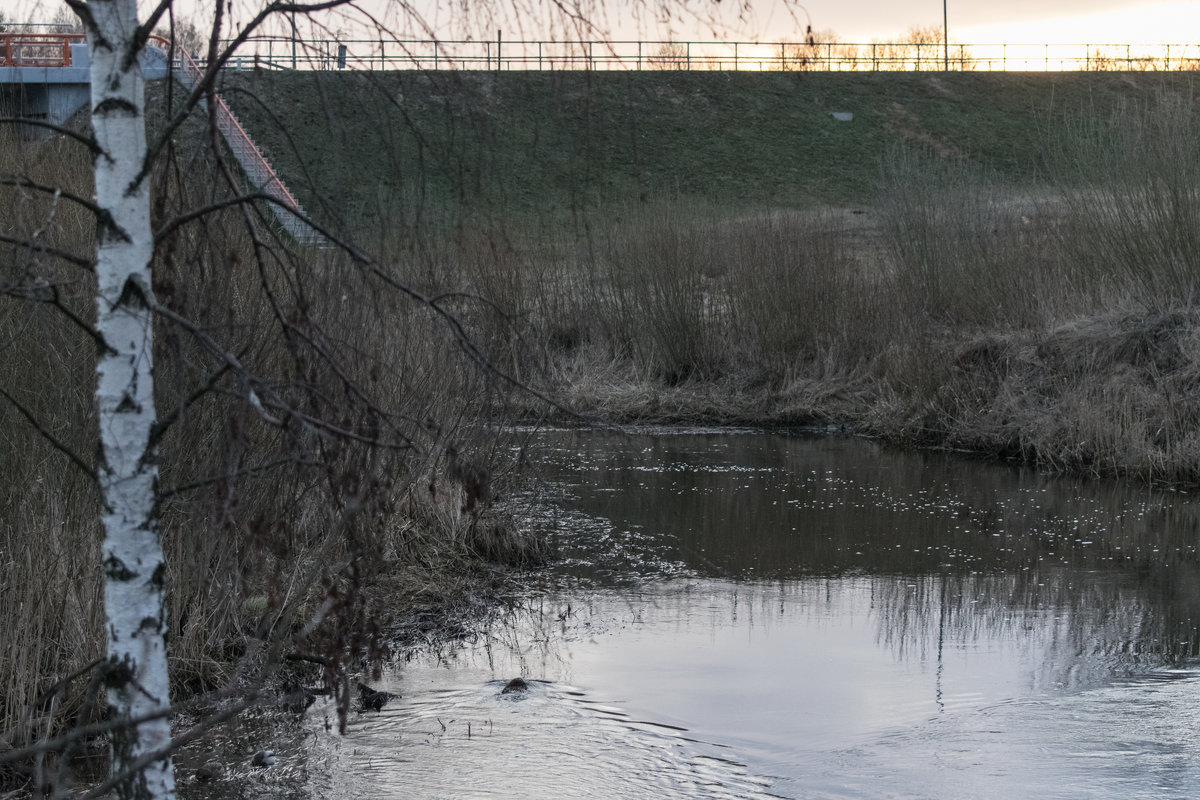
(962, 250)
(669, 55)
(1131, 184)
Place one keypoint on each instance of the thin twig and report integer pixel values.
(49, 437)
(146, 759)
(25, 183)
(86, 141)
(30, 244)
(55, 300)
(163, 494)
(163, 423)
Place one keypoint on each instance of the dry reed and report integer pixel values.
(260, 520)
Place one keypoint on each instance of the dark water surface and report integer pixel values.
(753, 615)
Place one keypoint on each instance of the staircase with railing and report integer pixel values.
(286, 209)
(60, 61)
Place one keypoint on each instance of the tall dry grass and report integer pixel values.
(1130, 184)
(368, 456)
(964, 249)
(50, 600)
(677, 293)
(960, 311)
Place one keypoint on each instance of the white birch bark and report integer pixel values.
(133, 557)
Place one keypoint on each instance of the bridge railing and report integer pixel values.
(270, 52)
(24, 48)
(37, 49)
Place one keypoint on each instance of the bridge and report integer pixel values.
(46, 77)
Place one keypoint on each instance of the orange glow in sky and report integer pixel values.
(986, 21)
(857, 21)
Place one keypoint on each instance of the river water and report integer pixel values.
(746, 615)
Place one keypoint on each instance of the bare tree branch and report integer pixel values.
(144, 31)
(47, 294)
(146, 759)
(183, 488)
(26, 183)
(167, 420)
(175, 223)
(86, 141)
(49, 437)
(254, 382)
(38, 247)
(215, 63)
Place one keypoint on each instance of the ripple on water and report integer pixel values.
(550, 741)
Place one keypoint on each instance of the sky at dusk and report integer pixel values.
(970, 21)
(859, 21)
(1033, 21)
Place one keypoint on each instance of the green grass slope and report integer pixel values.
(366, 146)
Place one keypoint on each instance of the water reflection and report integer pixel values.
(763, 506)
(754, 615)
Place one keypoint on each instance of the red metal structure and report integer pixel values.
(37, 49)
(244, 149)
(50, 50)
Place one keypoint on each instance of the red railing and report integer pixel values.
(37, 49)
(243, 147)
(54, 50)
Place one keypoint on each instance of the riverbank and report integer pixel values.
(1001, 263)
(697, 560)
(1109, 397)
(324, 484)
(1052, 330)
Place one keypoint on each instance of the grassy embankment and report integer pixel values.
(355, 505)
(1005, 263)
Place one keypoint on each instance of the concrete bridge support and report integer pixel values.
(52, 87)
(47, 78)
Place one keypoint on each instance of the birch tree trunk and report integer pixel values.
(133, 558)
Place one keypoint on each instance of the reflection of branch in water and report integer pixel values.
(941, 643)
(1069, 635)
(1118, 565)
(1084, 632)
